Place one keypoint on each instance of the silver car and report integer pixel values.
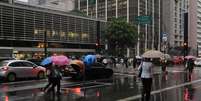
(13, 69)
(197, 62)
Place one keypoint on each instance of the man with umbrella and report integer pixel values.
(190, 65)
(48, 73)
(47, 63)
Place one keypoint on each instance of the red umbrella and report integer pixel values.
(60, 60)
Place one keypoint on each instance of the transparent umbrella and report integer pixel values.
(153, 54)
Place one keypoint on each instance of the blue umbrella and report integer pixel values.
(46, 61)
(89, 59)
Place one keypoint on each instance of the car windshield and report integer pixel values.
(3, 63)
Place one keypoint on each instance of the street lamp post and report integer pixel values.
(45, 43)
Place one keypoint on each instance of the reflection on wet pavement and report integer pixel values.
(118, 87)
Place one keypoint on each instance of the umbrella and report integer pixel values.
(46, 61)
(89, 59)
(77, 65)
(167, 56)
(138, 57)
(60, 60)
(190, 57)
(153, 54)
(98, 56)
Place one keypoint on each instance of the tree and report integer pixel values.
(120, 35)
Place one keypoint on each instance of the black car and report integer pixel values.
(96, 71)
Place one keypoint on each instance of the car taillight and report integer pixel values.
(5, 68)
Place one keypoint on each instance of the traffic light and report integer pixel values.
(98, 48)
(97, 45)
(185, 47)
(185, 44)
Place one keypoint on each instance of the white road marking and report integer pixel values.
(160, 90)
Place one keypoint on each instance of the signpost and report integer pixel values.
(144, 19)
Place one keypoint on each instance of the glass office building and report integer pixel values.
(129, 9)
(23, 28)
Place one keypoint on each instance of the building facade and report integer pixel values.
(173, 22)
(130, 10)
(23, 28)
(194, 33)
(61, 5)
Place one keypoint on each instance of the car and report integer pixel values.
(197, 62)
(10, 70)
(36, 61)
(97, 71)
(178, 60)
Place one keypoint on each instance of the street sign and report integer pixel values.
(144, 19)
(164, 37)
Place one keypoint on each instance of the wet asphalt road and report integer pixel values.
(176, 85)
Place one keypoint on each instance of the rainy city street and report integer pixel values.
(176, 85)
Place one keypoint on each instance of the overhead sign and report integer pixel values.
(144, 19)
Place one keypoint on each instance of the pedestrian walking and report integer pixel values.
(126, 62)
(134, 62)
(48, 73)
(190, 65)
(146, 78)
(56, 77)
(113, 62)
(164, 65)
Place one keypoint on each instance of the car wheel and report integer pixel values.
(11, 77)
(41, 75)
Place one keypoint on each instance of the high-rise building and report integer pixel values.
(173, 21)
(130, 10)
(61, 5)
(194, 32)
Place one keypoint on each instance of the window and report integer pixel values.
(27, 64)
(15, 64)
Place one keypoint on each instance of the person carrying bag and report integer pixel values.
(146, 75)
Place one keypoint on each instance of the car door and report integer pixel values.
(31, 71)
(17, 68)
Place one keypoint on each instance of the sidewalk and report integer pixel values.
(130, 70)
(122, 69)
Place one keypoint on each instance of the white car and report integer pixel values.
(13, 69)
(197, 62)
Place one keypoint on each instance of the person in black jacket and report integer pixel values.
(56, 76)
(48, 72)
(190, 65)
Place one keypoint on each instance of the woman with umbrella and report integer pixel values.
(146, 77)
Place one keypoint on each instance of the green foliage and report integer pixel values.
(120, 35)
